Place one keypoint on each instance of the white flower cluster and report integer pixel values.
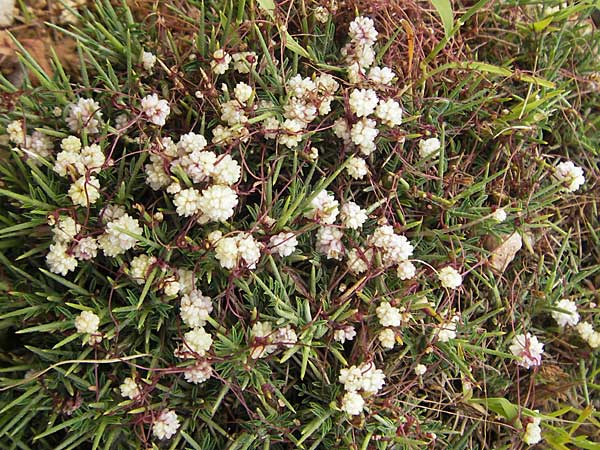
(66, 249)
(533, 432)
(568, 315)
(450, 277)
(390, 316)
(15, 132)
(346, 333)
(387, 338)
(199, 373)
(447, 330)
(130, 389)
(429, 147)
(265, 340)
(365, 102)
(528, 349)
(148, 61)
(79, 163)
(357, 167)
(570, 175)
(220, 62)
(359, 52)
(284, 244)
(85, 115)
(394, 248)
(117, 237)
(87, 323)
(308, 98)
(588, 334)
(216, 202)
(323, 208)
(166, 424)
(238, 250)
(329, 242)
(195, 309)
(366, 379)
(196, 343)
(140, 267)
(34, 146)
(244, 62)
(353, 216)
(155, 110)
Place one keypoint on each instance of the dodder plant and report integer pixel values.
(219, 235)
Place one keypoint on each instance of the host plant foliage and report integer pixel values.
(242, 226)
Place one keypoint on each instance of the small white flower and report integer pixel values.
(15, 132)
(87, 322)
(406, 270)
(570, 175)
(569, 317)
(191, 142)
(352, 403)
(323, 208)
(171, 288)
(291, 132)
(363, 134)
(148, 61)
(389, 112)
(195, 309)
(71, 144)
(218, 203)
(226, 170)
(450, 277)
(381, 75)
(362, 29)
(356, 167)
(187, 202)
(499, 215)
(154, 110)
(387, 338)
(84, 191)
(533, 432)
(447, 330)
(233, 113)
(329, 242)
(429, 147)
(197, 341)
(285, 336)
(242, 92)
(344, 334)
(248, 250)
(199, 373)
(220, 62)
(396, 248)
(358, 260)
(140, 266)
(65, 230)
(166, 425)
(420, 369)
(528, 349)
(389, 316)
(263, 345)
(85, 115)
(86, 249)
(353, 216)
(129, 388)
(119, 232)
(321, 14)
(363, 102)
(364, 377)
(284, 244)
(243, 62)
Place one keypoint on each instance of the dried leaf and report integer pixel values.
(504, 254)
